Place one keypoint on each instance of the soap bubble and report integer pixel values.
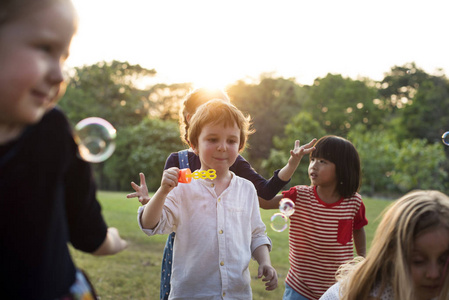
(279, 222)
(95, 138)
(287, 207)
(445, 138)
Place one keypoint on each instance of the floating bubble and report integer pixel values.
(445, 138)
(287, 207)
(95, 138)
(279, 222)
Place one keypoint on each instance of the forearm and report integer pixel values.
(153, 210)
(286, 173)
(360, 241)
(270, 204)
(262, 255)
(295, 158)
(112, 243)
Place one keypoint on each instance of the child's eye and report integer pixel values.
(417, 262)
(444, 259)
(212, 140)
(45, 48)
(232, 141)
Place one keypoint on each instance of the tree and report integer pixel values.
(419, 165)
(399, 86)
(271, 104)
(142, 148)
(427, 117)
(339, 103)
(377, 150)
(164, 101)
(108, 91)
(301, 127)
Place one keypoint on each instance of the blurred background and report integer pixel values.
(371, 71)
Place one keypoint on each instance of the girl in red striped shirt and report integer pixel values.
(328, 220)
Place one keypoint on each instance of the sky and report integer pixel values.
(214, 43)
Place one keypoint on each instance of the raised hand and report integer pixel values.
(141, 191)
(299, 151)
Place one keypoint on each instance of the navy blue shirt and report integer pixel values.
(266, 189)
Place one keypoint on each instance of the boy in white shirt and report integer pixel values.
(217, 223)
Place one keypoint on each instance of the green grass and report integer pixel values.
(135, 272)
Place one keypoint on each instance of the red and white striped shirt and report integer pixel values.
(320, 238)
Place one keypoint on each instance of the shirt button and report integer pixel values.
(219, 199)
(220, 232)
(212, 185)
(222, 263)
(224, 294)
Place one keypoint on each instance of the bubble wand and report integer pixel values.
(185, 175)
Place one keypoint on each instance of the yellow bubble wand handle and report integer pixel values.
(185, 175)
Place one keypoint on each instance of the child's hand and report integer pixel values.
(170, 179)
(269, 275)
(141, 191)
(298, 152)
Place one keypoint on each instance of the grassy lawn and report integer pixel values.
(135, 272)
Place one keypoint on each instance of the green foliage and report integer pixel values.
(270, 104)
(427, 117)
(108, 91)
(399, 86)
(419, 165)
(339, 103)
(380, 118)
(142, 148)
(377, 153)
(301, 127)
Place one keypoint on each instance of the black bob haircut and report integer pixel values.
(343, 154)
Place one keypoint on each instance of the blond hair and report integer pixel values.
(387, 262)
(219, 112)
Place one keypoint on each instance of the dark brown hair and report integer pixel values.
(343, 154)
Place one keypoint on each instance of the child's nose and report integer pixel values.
(433, 271)
(221, 146)
(56, 75)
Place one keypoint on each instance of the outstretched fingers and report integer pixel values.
(141, 190)
(308, 148)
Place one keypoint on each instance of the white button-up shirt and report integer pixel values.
(215, 237)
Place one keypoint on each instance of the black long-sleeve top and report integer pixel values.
(47, 199)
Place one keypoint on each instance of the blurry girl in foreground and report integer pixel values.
(409, 255)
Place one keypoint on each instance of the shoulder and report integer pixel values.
(54, 130)
(305, 188)
(298, 190)
(172, 161)
(243, 182)
(54, 117)
(240, 180)
(333, 293)
(355, 199)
